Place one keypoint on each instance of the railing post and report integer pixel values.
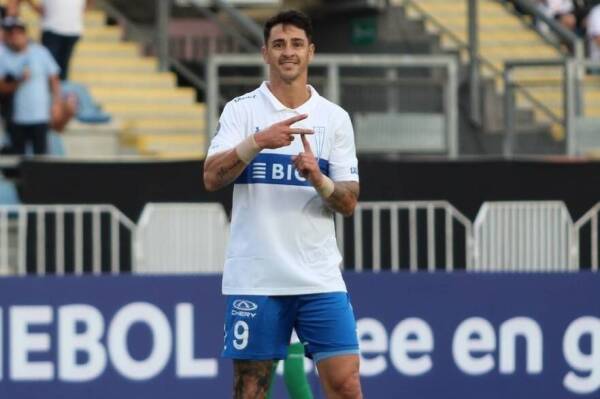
(570, 83)
(333, 79)
(163, 14)
(474, 77)
(451, 108)
(509, 114)
(212, 97)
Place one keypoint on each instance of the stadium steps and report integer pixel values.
(152, 116)
(503, 35)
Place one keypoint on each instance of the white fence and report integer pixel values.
(181, 238)
(192, 238)
(58, 235)
(407, 217)
(589, 219)
(523, 236)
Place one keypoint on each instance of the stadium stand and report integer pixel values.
(153, 116)
(505, 34)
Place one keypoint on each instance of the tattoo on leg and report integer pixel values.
(251, 378)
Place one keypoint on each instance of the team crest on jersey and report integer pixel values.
(319, 137)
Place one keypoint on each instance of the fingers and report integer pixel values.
(306, 144)
(301, 131)
(294, 119)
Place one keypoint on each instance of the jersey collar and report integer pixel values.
(303, 109)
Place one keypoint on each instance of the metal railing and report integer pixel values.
(564, 35)
(181, 238)
(523, 236)
(511, 86)
(33, 236)
(528, 236)
(333, 63)
(590, 218)
(404, 220)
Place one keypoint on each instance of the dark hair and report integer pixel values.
(290, 17)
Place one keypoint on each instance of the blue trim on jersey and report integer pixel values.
(276, 169)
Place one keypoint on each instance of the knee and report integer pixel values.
(348, 386)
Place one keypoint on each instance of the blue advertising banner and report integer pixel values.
(423, 336)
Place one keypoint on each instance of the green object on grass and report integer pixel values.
(293, 374)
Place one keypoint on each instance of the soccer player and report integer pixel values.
(290, 154)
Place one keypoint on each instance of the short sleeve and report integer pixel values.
(343, 164)
(593, 28)
(229, 132)
(50, 64)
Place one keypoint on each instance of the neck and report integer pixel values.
(291, 94)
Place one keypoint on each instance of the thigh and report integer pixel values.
(49, 40)
(18, 138)
(39, 139)
(326, 324)
(258, 327)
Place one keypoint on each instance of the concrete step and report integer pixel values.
(164, 125)
(158, 80)
(102, 65)
(144, 96)
(165, 111)
(175, 145)
(92, 141)
(106, 49)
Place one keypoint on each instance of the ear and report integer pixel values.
(311, 52)
(263, 50)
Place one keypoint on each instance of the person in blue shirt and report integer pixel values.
(29, 72)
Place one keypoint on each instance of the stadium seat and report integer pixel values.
(8, 192)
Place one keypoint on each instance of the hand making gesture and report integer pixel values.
(281, 134)
(306, 163)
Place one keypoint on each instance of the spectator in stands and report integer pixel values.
(593, 34)
(561, 10)
(62, 24)
(28, 71)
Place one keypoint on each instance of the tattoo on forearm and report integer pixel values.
(251, 378)
(344, 197)
(224, 173)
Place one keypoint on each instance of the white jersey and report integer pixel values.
(593, 32)
(64, 17)
(282, 239)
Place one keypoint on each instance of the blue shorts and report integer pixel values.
(259, 327)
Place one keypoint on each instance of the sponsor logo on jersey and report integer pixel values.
(238, 99)
(276, 169)
(244, 308)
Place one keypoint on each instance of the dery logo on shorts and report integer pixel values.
(244, 308)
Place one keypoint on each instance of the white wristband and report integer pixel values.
(326, 188)
(247, 149)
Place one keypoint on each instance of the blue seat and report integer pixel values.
(8, 193)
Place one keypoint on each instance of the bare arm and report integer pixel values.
(344, 197)
(38, 7)
(222, 169)
(55, 88)
(8, 87)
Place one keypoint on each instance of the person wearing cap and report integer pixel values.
(62, 26)
(29, 72)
